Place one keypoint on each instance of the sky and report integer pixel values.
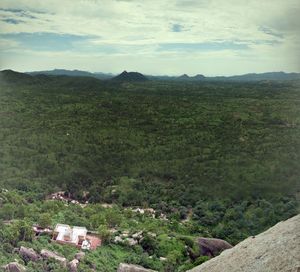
(158, 37)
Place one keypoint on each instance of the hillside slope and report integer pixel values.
(277, 249)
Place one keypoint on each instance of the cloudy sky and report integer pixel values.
(217, 37)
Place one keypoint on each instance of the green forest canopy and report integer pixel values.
(156, 141)
(224, 155)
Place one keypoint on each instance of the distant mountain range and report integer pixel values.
(185, 77)
(238, 78)
(262, 76)
(63, 72)
(63, 81)
(135, 76)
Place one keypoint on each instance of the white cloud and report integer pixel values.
(270, 29)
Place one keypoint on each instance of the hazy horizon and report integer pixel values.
(167, 75)
(155, 38)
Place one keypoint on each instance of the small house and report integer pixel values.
(76, 236)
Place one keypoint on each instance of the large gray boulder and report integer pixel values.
(275, 250)
(72, 266)
(14, 267)
(211, 246)
(47, 254)
(28, 254)
(132, 268)
(80, 256)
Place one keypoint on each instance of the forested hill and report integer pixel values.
(9, 77)
(241, 139)
(210, 147)
(74, 73)
(130, 76)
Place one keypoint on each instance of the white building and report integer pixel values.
(69, 235)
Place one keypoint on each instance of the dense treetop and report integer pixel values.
(178, 141)
(220, 159)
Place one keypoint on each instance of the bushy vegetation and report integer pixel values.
(221, 157)
(172, 239)
(169, 239)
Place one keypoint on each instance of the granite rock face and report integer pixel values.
(14, 267)
(212, 247)
(132, 268)
(275, 250)
(47, 254)
(79, 256)
(72, 266)
(28, 254)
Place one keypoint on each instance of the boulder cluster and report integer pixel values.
(207, 247)
(123, 267)
(131, 239)
(30, 255)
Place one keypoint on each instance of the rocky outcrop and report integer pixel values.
(132, 268)
(28, 254)
(14, 267)
(79, 256)
(130, 77)
(47, 254)
(72, 266)
(211, 246)
(275, 250)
